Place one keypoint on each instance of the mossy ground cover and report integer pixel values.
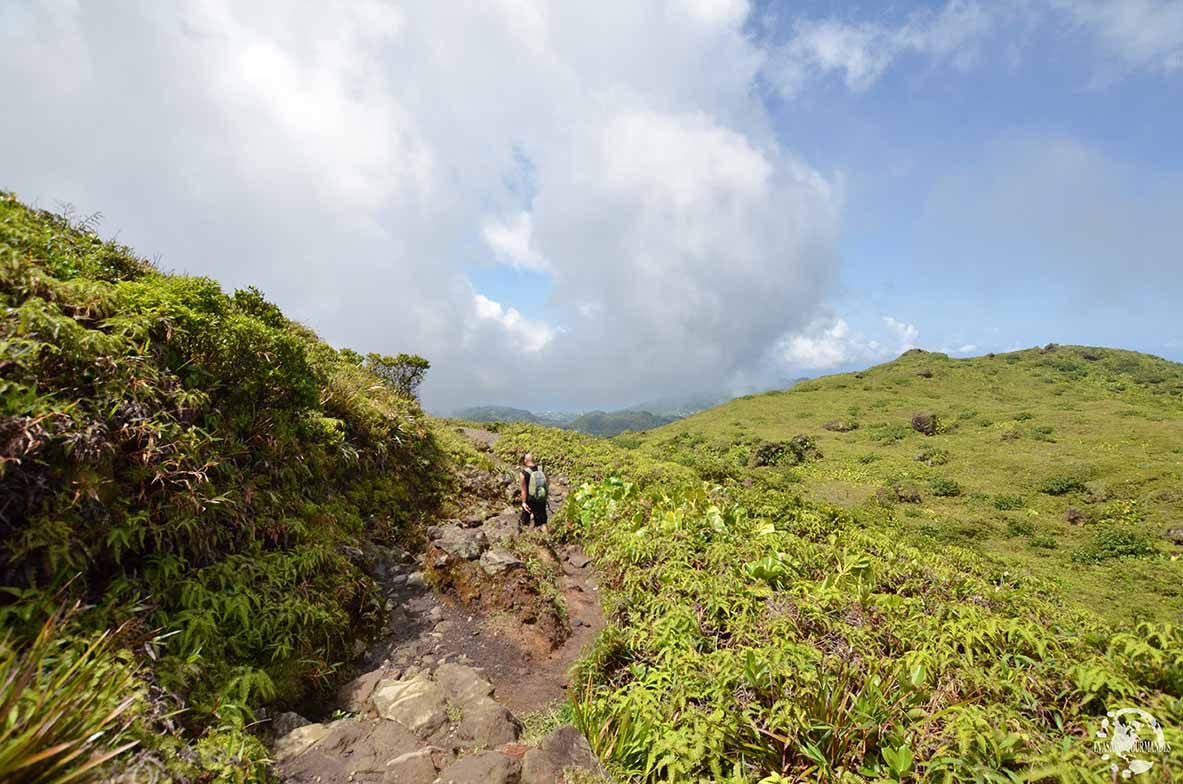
(193, 470)
(756, 637)
(1038, 458)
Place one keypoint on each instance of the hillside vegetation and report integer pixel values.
(756, 637)
(194, 475)
(1064, 462)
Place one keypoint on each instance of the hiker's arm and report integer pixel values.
(525, 492)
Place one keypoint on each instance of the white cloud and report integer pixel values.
(1125, 35)
(830, 342)
(861, 52)
(905, 334)
(352, 160)
(530, 336)
(1141, 34)
(511, 241)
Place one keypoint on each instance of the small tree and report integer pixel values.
(403, 373)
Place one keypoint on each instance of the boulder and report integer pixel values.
(503, 526)
(286, 722)
(462, 684)
(577, 558)
(494, 562)
(417, 703)
(487, 724)
(538, 767)
(563, 749)
(299, 740)
(925, 422)
(355, 695)
(1174, 535)
(841, 425)
(487, 767)
(1074, 516)
(413, 767)
(459, 542)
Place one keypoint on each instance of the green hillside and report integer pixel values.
(188, 479)
(1065, 462)
(755, 637)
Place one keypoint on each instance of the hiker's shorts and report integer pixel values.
(536, 515)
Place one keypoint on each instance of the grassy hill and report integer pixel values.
(188, 481)
(1064, 462)
(754, 637)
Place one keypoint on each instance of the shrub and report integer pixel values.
(933, 456)
(841, 425)
(1113, 541)
(869, 457)
(888, 434)
(1061, 485)
(944, 487)
(1007, 503)
(1043, 433)
(1043, 542)
(1020, 527)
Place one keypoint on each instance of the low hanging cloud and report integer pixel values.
(356, 161)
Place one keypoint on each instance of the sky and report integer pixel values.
(570, 205)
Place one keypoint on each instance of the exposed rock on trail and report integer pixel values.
(485, 623)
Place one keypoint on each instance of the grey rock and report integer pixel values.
(459, 542)
(503, 526)
(416, 579)
(569, 749)
(487, 724)
(300, 740)
(578, 558)
(462, 684)
(539, 767)
(417, 703)
(413, 767)
(286, 722)
(436, 614)
(488, 767)
(355, 695)
(494, 562)
(1174, 535)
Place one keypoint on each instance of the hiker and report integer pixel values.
(534, 492)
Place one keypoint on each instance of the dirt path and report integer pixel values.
(429, 636)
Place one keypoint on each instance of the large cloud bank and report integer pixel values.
(355, 160)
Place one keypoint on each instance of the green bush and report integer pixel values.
(1113, 541)
(1020, 527)
(1061, 485)
(944, 487)
(1043, 542)
(191, 462)
(933, 456)
(1007, 503)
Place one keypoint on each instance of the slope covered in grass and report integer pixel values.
(756, 637)
(1065, 462)
(195, 470)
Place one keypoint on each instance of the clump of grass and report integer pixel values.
(1043, 542)
(1113, 541)
(1061, 485)
(1006, 503)
(65, 707)
(933, 456)
(1020, 527)
(945, 487)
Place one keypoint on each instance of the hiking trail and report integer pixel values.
(473, 638)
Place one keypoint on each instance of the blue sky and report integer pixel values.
(567, 205)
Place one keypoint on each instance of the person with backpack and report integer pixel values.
(534, 492)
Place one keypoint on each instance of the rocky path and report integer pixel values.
(474, 637)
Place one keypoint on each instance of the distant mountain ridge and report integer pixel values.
(606, 424)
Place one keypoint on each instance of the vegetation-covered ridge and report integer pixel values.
(191, 469)
(756, 637)
(1062, 461)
